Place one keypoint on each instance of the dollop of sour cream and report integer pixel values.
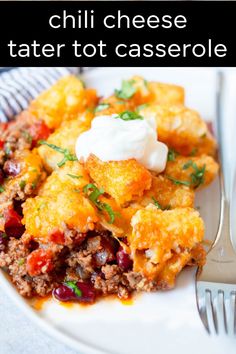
(111, 138)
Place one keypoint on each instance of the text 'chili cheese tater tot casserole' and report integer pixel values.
(97, 194)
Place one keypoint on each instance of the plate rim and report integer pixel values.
(9, 289)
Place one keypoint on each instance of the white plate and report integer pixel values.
(163, 322)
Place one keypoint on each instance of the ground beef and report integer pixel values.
(79, 262)
(111, 280)
(108, 278)
(15, 135)
(96, 251)
(15, 192)
(137, 282)
(14, 261)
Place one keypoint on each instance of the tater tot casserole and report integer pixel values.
(86, 211)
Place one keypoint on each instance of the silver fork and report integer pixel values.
(216, 281)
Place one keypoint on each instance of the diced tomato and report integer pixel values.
(39, 131)
(2, 144)
(4, 126)
(13, 225)
(39, 262)
(58, 237)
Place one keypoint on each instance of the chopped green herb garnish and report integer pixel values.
(1, 216)
(93, 197)
(197, 177)
(4, 235)
(142, 106)
(188, 164)
(67, 155)
(2, 189)
(172, 154)
(21, 261)
(7, 150)
(158, 205)
(145, 82)
(72, 285)
(127, 115)
(112, 214)
(178, 182)
(22, 184)
(95, 192)
(74, 176)
(102, 107)
(34, 185)
(127, 90)
(91, 110)
(204, 135)
(27, 136)
(193, 152)
(83, 83)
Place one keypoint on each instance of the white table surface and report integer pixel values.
(20, 335)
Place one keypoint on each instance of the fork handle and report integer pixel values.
(223, 238)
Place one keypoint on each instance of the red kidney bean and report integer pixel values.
(12, 167)
(123, 260)
(64, 293)
(13, 225)
(1, 176)
(33, 245)
(88, 292)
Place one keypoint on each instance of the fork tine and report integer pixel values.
(221, 312)
(202, 310)
(211, 312)
(232, 319)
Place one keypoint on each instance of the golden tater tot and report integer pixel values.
(44, 216)
(166, 93)
(159, 237)
(63, 101)
(121, 226)
(72, 175)
(156, 92)
(60, 205)
(137, 92)
(29, 178)
(182, 129)
(166, 195)
(64, 137)
(123, 180)
(198, 171)
(113, 105)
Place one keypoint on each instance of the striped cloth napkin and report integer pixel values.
(18, 86)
